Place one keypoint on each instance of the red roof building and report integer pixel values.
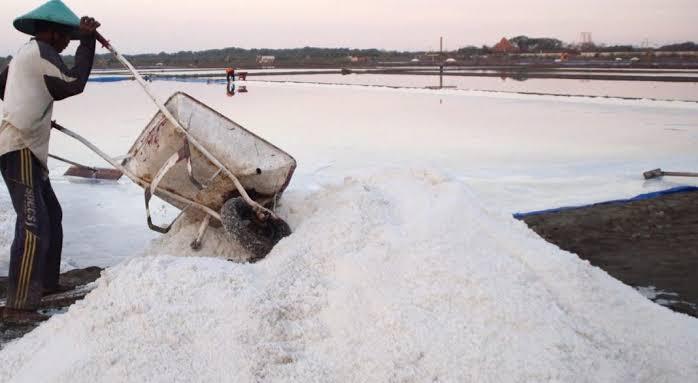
(504, 46)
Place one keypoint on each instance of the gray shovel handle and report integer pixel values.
(69, 162)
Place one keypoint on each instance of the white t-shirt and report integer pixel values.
(35, 78)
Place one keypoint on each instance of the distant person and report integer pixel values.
(230, 74)
(34, 79)
(230, 77)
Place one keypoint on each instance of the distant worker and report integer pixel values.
(230, 87)
(34, 79)
(230, 74)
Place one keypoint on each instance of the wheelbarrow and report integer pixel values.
(165, 163)
(202, 162)
(164, 157)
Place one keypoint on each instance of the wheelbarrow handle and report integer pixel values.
(142, 183)
(103, 41)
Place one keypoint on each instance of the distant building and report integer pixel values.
(357, 59)
(434, 56)
(504, 46)
(266, 60)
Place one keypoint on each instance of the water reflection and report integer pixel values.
(522, 83)
(230, 87)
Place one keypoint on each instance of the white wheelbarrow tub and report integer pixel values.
(165, 163)
(263, 169)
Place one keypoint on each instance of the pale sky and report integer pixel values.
(143, 26)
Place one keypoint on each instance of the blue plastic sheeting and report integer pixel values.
(204, 80)
(679, 189)
(109, 79)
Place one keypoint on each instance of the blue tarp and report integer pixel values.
(109, 79)
(679, 189)
(205, 80)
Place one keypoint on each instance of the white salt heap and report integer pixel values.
(394, 277)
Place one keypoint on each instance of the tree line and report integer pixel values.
(525, 44)
(312, 56)
(248, 57)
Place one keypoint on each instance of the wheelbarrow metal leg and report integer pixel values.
(196, 244)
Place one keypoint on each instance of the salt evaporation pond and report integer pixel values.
(687, 91)
(521, 152)
(657, 90)
(405, 263)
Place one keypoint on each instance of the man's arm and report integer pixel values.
(62, 82)
(3, 81)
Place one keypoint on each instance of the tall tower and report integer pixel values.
(585, 40)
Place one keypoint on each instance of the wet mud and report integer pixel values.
(73, 278)
(644, 243)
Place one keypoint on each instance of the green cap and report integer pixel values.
(53, 11)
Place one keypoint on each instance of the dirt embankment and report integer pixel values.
(78, 277)
(643, 243)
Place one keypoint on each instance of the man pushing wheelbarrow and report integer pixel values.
(189, 155)
(34, 79)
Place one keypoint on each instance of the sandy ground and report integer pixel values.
(642, 243)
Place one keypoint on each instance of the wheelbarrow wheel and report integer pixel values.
(242, 225)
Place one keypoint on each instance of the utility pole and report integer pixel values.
(441, 66)
(585, 40)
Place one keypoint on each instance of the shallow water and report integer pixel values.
(598, 88)
(687, 91)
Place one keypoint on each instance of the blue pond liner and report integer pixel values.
(641, 197)
(204, 80)
(109, 79)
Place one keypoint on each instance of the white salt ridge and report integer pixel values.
(394, 277)
(7, 231)
(508, 95)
